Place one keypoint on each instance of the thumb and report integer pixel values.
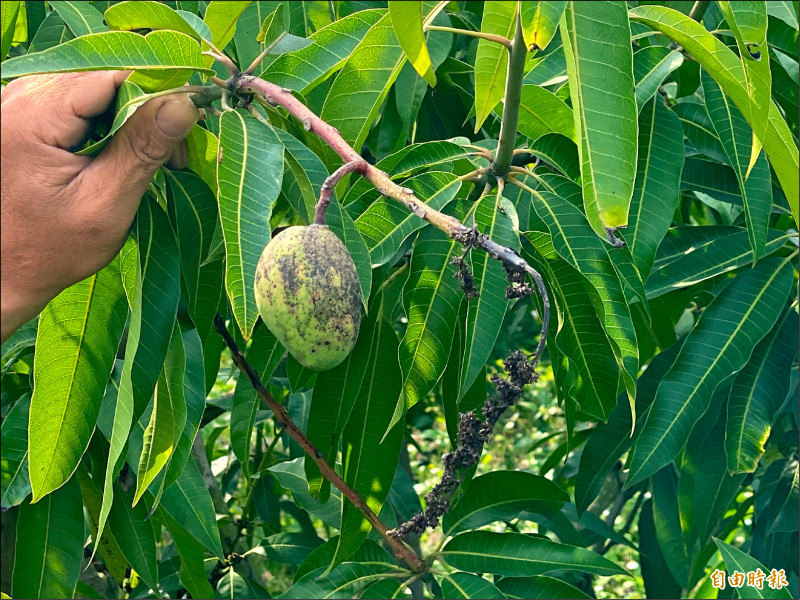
(143, 144)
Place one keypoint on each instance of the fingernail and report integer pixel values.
(176, 118)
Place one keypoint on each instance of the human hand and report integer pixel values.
(64, 216)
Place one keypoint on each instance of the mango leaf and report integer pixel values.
(8, 20)
(603, 102)
(78, 336)
(264, 354)
(431, 298)
(407, 24)
(159, 437)
(658, 580)
(303, 70)
(698, 129)
(360, 88)
(502, 495)
(758, 392)
(291, 548)
(249, 177)
(80, 17)
(519, 555)
(560, 152)
(542, 112)
(570, 231)
(486, 312)
(736, 560)
(134, 534)
(344, 581)
(702, 261)
(656, 191)
(540, 22)
(727, 70)
(491, 59)
(52, 32)
(152, 318)
(203, 148)
(467, 585)
(386, 224)
(668, 523)
(651, 66)
(736, 137)
(221, 18)
(549, 70)
(157, 51)
(47, 558)
(249, 26)
(16, 484)
(719, 345)
(539, 586)
(748, 21)
(192, 572)
(370, 445)
(291, 475)
(130, 15)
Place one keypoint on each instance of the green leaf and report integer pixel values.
(748, 21)
(264, 354)
(120, 50)
(290, 474)
(540, 22)
(134, 533)
(192, 572)
(736, 560)
(221, 18)
(386, 224)
(130, 15)
(500, 496)
(80, 17)
(657, 187)
(539, 586)
(290, 548)
(758, 392)
(486, 312)
(8, 21)
(52, 32)
(275, 38)
(124, 108)
(708, 259)
(189, 503)
(651, 66)
(735, 135)
(467, 585)
(360, 88)
(698, 129)
(16, 484)
(78, 336)
(203, 148)
(49, 551)
(152, 318)
(344, 581)
(668, 523)
(727, 70)
(719, 345)
(370, 444)
(542, 112)
(333, 44)
(491, 59)
(560, 152)
(658, 581)
(597, 46)
(519, 555)
(549, 70)
(249, 178)
(407, 24)
(431, 298)
(571, 232)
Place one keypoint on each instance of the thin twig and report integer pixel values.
(490, 37)
(283, 419)
(354, 166)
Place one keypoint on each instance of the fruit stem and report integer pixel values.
(354, 166)
(401, 550)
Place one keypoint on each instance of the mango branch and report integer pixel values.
(401, 550)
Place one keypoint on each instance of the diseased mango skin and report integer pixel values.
(308, 294)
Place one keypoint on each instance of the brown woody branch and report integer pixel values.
(283, 419)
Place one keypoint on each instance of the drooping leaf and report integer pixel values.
(157, 51)
(135, 536)
(658, 581)
(491, 59)
(80, 17)
(668, 524)
(758, 392)
(656, 191)
(519, 555)
(159, 437)
(719, 345)
(502, 495)
(407, 24)
(192, 573)
(16, 484)
(49, 551)
(736, 138)
(540, 22)
(78, 335)
(600, 65)
(249, 178)
(724, 65)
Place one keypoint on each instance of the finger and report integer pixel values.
(141, 146)
(63, 104)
